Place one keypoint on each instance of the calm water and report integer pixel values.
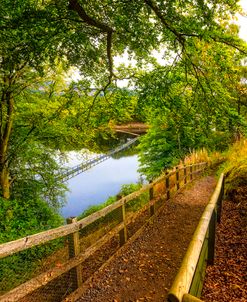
(97, 184)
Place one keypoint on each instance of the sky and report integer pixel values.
(243, 21)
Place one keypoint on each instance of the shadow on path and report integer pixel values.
(145, 268)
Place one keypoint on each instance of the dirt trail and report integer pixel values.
(146, 267)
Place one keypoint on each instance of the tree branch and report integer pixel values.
(75, 6)
(158, 13)
(109, 55)
(228, 43)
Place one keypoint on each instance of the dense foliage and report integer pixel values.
(191, 106)
(21, 218)
(197, 99)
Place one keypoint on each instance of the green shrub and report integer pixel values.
(137, 203)
(114, 217)
(129, 188)
(19, 219)
(92, 209)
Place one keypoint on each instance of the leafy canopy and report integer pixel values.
(37, 36)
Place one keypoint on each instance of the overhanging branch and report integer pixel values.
(78, 8)
(158, 13)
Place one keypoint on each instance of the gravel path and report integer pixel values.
(146, 267)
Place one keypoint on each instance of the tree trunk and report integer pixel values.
(7, 116)
(5, 182)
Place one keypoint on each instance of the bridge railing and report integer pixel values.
(71, 172)
(187, 286)
(158, 192)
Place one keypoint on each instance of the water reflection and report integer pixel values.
(97, 184)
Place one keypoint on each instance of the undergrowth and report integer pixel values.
(197, 156)
(20, 218)
(235, 167)
(114, 217)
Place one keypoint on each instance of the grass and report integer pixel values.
(112, 219)
(235, 167)
(202, 156)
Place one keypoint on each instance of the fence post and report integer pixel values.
(219, 202)
(123, 233)
(151, 196)
(167, 185)
(223, 186)
(190, 298)
(185, 174)
(177, 178)
(211, 238)
(74, 250)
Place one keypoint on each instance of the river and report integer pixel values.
(97, 184)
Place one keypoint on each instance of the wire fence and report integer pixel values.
(51, 265)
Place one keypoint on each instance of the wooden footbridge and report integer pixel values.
(88, 164)
(64, 280)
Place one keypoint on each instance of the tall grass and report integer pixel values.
(197, 156)
(235, 166)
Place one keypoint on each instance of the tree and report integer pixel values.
(88, 35)
(24, 49)
(191, 105)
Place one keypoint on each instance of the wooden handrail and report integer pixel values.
(9, 248)
(12, 247)
(22, 244)
(26, 288)
(183, 280)
(190, 298)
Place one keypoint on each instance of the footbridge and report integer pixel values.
(88, 164)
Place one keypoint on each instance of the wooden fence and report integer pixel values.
(170, 182)
(188, 283)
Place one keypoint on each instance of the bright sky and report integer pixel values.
(243, 21)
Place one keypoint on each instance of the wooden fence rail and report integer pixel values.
(188, 283)
(172, 181)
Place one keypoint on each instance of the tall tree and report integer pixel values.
(88, 34)
(29, 44)
(192, 104)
